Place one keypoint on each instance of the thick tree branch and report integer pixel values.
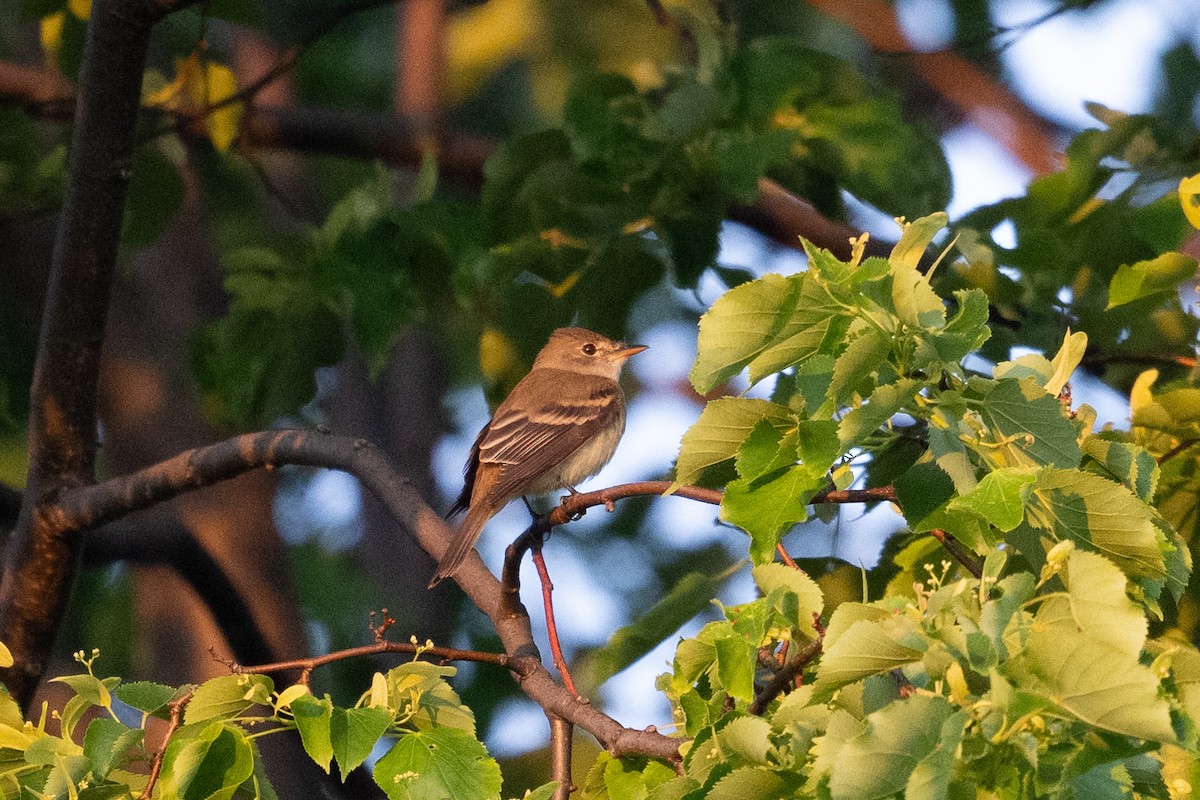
(168, 543)
(40, 560)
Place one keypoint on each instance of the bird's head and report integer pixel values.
(588, 352)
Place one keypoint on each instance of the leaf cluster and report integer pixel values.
(101, 751)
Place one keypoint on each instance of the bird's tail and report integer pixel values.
(464, 540)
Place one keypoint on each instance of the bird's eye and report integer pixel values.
(589, 349)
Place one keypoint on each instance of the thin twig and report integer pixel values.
(787, 558)
(176, 707)
(787, 675)
(1176, 450)
(560, 663)
(960, 553)
(307, 665)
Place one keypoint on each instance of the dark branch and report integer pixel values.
(41, 560)
(787, 675)
(167, 542)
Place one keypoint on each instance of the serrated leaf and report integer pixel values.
(1001, 496)
(146, 695)
(107, 744)
(354, 733)
(1125, 463)
(883, 404)
(736, 661)
(227, 696)
(768, 507)
(440, 762)
(865, 648)
(719, 432)
(206, 763)
(749, 783)
(774, 577)
(767, 324)
(1030, 424)
(916, 304)
(313, 716)
(855, 367)
(766, 449)
(1101, 514)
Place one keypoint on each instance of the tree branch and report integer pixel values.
(40, 560)
(987, 103)
(86, 506)
(776, 213)
(169, 543)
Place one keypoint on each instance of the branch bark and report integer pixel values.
(41, 559)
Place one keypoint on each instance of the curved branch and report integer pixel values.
(171, 544)
(86, 506)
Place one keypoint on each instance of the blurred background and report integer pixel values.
(250, 213)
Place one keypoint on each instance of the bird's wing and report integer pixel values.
(469, 470)
(532, 433)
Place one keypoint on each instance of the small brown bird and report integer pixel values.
(558, 427)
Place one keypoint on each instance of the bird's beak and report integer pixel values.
(623, 352)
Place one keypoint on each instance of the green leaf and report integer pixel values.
(255, 365)
(773, 578)
(885, 402)
(736, 661)
(1100, 514)
(915, 237)
(1001, 496)
(687, 598)
(880, 760)
(227, 696)
(718, 434)
(767, 324)
(313, 718)
(922, 489)
(749, 783)
(867, 647)
(354, 733)
(206, 763)
(440, 762)
(107, 744)
(1083, 651)
(854, 371)
(916, 304)
(766, 449)
(146, 696)
(766, 508)
(1155, 278)
(1030, 425)
(1123, 462)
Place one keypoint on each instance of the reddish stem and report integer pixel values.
(560, 663)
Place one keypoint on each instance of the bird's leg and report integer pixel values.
(573, 491)
(529, 506)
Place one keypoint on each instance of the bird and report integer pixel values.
(558, 427)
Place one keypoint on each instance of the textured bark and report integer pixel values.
(41, 559)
